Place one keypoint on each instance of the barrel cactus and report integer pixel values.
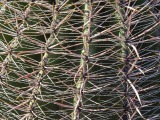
(79, 60)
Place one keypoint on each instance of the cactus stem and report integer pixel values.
(83, 69)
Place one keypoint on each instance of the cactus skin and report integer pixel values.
(79, 59)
